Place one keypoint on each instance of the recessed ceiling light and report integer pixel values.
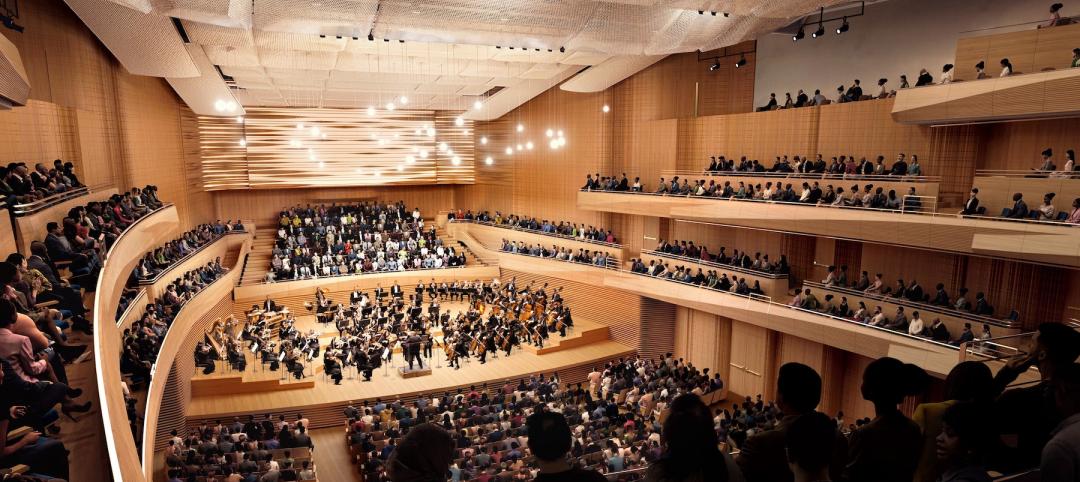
(456, 160)
(403, 100)
(442, 147)
(520, 128)
(509, 151)
(239, 119)
(483, 140)
(370, 110)
(478, 105)
(243, 142)
(390, 106)
(529, 145)
(489, 161)
(549, 133)
(606, 108)
(423, 154)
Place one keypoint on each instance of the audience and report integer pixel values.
(743, 260)
(807, 447)
(564, 228)
(19, 185)
(968, 382)
(165, 256)
(365, 237)
(263, 451)
(582, 256)
(1059, 458)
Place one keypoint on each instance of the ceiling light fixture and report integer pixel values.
(820, 30)
(442, 147)
(520, 128)
(370, 110)
(239, 119)
(403, 100)
(741, 62)
(423, 154)
(529, 145)
(478, 105)
(390, 106)
(459, 121)
(799, 35)
(370, 37)
(715, 66)
(483, 140)
(488, 160)
(509, 151)
(456, 161)
(243, 142)
(844, 27)
(299, 126)
(606, 108)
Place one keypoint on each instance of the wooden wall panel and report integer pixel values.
(954, 153)
(703, 339)
(1036, 291)
(1016, 145)
(39, 132)
(866, 129)
(200, 206)
(759, 135)
(797, 350)
(928, 267)
(851, 401)
(1028, 50)
(749, 359)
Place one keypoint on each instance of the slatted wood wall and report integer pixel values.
(178, 390)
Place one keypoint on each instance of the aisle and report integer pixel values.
(331, 456)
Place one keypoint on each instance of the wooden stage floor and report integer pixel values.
(386, 383)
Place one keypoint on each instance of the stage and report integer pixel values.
(225, 393)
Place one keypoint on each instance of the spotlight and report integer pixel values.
(442, 147)
(741, 62)
(529, 145)
(820, 30)
(403, 100)
(799, 35)
(400, 168)
(562, 49)
(520, 128)
(370, 111)
(701, 12)
(459, 121)
(549, 133)
(356, 38)
(713, 13)
(726, 14)
(483, 140)
(843, 27)
(606, 108)
(498, 46)
(239, 119)
(489, 161)
(338, 37)
(714, 66)
(243, 142)
(322, 36)
(371, 37)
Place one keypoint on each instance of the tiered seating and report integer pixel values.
(267, 450)
(598, 257)
(564, 229)
(490, 442)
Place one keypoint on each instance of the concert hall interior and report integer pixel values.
(493, 241)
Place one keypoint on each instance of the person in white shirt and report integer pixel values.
(1006, 68)
(916, 327)
(947, 74)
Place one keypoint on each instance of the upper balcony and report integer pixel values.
(1042, 83)
(1040, 242)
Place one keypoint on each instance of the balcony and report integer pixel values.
(1039, 242)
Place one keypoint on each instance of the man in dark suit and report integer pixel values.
(971, 207)
(801, 99)
(412, 350)
(269, 305)
(763, 457)
(915, 292)
(1019, 209)
(939, 332)
(942, 297)
(396, 291)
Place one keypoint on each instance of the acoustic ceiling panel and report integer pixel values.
(232, 56)
(230, 13)
(146, 44)
(207, 93)
(608, 73)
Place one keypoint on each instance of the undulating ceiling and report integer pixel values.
(483, 57)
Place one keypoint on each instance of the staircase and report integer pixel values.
(258, 260)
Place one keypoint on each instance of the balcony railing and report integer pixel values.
(537, 231)
(727, 267)
(26, 209)
(813, 176)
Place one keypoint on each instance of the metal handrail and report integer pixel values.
(713, 264)
(804, 175)
(922, 306)
(622, 473)
(767, 299)
(537, 231)
(26, 209)
(611, 263)
(902, 209)
(1030, 173)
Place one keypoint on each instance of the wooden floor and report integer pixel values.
(331, 457)
(386, 383)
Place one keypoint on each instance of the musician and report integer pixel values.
(396, 291)
(379, 293)
(428, 343)
(419, 297)
(433, 308)
(355, 296)
(332, 367)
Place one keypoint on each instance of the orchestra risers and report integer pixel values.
(324, 406)
(231, 383)
(584, 333)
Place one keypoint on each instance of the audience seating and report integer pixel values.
(772, 284)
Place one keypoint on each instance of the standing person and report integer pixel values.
(887, 448)
(423, 455)
(549, 440)
(691, 452)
